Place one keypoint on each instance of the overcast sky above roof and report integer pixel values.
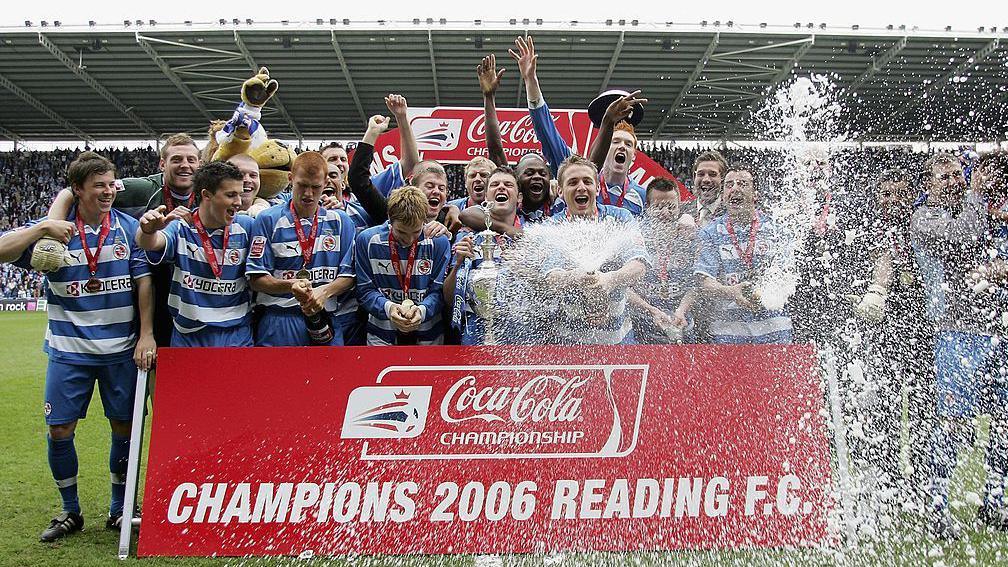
(867, 13)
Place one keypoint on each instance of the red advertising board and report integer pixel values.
(279, 451)
(456, 135)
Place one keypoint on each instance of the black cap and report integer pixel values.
(597, 108)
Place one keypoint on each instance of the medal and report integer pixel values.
(307, 243)
(906, 278)
(93, 285)
(208, 248)
(403, 278)
(747, 256)
(303, 274)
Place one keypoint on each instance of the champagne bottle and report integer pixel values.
(320, 330)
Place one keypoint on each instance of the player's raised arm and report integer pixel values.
(150, 235)
(555, 149)
(61, 205)
(409, 156)
(489, 80)
(358, 176)
(619, 109)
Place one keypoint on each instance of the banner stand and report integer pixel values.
(828, 361)
(133, 466)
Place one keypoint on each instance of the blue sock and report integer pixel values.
(118, 457)
(948, 438)
(63, 463)
(997, 464)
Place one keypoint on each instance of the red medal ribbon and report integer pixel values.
(747, 256)
(404, 279)
(92, 259)
(170, 203)
(604, 190)
(307, 243)
(208, 248)
(821, 223)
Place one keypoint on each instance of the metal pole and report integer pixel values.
(133, 466)
(831, 370)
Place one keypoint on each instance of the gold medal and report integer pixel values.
(303, 274)
(906, 278)
(93, 285)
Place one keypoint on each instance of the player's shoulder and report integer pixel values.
(640, 189)
(124, 220)
(440, 241)
(612, 211)
(149, 183)
(713, 229)
(336, 214)
(245, 222)
(367, 234)
(273, 213)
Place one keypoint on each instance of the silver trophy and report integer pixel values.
(483, 280)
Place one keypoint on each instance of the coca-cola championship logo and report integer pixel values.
(504, 412)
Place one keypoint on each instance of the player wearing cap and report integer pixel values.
(93, 331)
(615, 186)
(209, 300)
(299, 260)
(400, 273)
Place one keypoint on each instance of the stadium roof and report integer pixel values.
(145, 79)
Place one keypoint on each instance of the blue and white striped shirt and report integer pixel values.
(378, 286)
(99, 328)
(616, 325)
(719, 259)
(197, 298)
(274, 250)
(471, 327)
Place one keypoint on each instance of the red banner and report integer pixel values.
(456, 135)
(475, 450)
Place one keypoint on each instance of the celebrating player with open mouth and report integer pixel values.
(209, 300)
